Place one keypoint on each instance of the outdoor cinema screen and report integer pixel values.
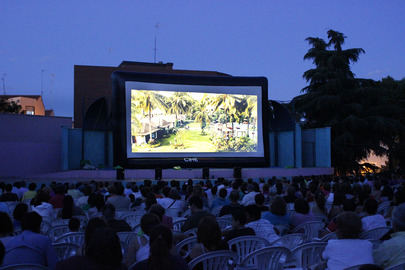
(178, 121)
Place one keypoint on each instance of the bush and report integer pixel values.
(234, 144)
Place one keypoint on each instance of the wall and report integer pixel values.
(30, 144)
(316, 151)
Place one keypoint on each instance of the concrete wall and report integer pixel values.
(30, 144)
(316, 151)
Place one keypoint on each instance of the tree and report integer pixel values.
(180, 103)
(226, 102)
(202, 115)
(9, 106)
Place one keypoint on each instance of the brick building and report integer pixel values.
(93, 83)
(30, 104)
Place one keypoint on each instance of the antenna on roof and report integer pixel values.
(155, 49)
(3, 78)
(42, 82)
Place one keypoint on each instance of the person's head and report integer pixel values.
(148, 222)
(6, 225)
(338, 198)
(398, 218)
(32, 186)
(42, 196)
(238, 218)
(371, 206)
(234, 196)
(209, 233)
(109, 211)
(196, 203)
(174, 194)
(320, 201)
(92, 225)
(223, 193)
(104, 247)
(158, 210)
(19, 211)
(278, 207)
(31, 221)
(96, 200)
(67, 210)
(74, 224)
(2, 252)
(166, 191)
(349, 205)
(150, 200)
(119, 189)
(259, 199)
(59, 188)
(160, 242)
(301, 206)
(348, 225)
(8, 188)
(252, 212)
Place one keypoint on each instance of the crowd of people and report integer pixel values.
(268, 208)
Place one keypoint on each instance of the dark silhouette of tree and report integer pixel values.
(9, 107)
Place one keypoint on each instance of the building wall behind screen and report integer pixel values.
(30, 144)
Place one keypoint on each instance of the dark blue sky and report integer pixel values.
(238, 37)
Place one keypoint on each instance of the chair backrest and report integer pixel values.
(132, 219)
(178, 223)
(65, 250)
(397, 267)
(289, 241)
(73, 237)
(309, 254)
(59, 221)
(358, 266)
(122, 214)
(57, 231)
(173, 212)
(216, 210)
(126, 238)
(215, 260)
(183, 248)
(266, 258)
(224, 223)
(310, 229)
(383, 208)
(329, 236)
(374, 234)
(45, 227)
(191, 232)
(24, 266)
(244, 245)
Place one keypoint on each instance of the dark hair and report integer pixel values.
(301, 206)
(148, 222)
(209, 233)
(92, 225)
(196, 201)
(109, 211)
(6, 225)
(349, 205)
(253, 211)
(338, 198)
(278, 206)
(2, 252)
(67, 210)
(348, 225)
(96, 200)
(398, 218)
(320, 201)
(371, 206)
(259, 199)
(223, 193)
(234, 196)
(150, 200)
(9, 187)
(74, 224)
(119, 189)
(158, 210)
(160, 243)
(239, 215)
(31, 221)
(59, 188)
(42, 196)
(19, 211)
(104, 247)
(32, 186)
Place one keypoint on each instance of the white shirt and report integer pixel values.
(343, 253)
(45, 210)
(372, 222)
(249, 198)
(263, 228)
(165, 202)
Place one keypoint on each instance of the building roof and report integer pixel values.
(13, 96)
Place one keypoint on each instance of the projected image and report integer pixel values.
(169, 121)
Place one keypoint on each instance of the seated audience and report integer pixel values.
(249, 198)
(8, 195)
(259, 200)
(208, 237)
(118, 199)
(138, 249)
(158, 210)
(392, 251)
(103, 252)
(197, 213)
(348, 250)
(278, 213)
(41, 205)
(238, 226)
(30, 247)
(220, 201)
(74, 192)
(262, 227)
(31, 193)
(69, 209)
(302, 213)
(18, 213)
(2, 252)
(74, 225)
(372, 220)
(6, 228)
(160, 257)
(233, 206)
(118, 225)
(57, 199)
(96, 205)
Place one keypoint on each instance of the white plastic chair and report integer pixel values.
(178, 223)
(309, 254)
(74, 238)
(383, 208)
(126, 238)
(173, 212)
(191, 232)
(216, 210)
(215, 260)
(60, 221)
(65, 250)
(244, 245)
(327, 237)
(356, 267)
(24, 266)
(374, 234)
(265, 258)
(289, 241)
(183, 248)
(224, 222)
(310, 229)
(397, 267)
(45, 227)
(132, 219)
(122, 214)
(57, 231)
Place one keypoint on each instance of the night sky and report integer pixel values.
(238, 37)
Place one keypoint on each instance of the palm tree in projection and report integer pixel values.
(246, 108)
(179, 103)
(147, 101)
(202, 115)
(226, 102)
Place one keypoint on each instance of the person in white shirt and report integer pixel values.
(262, 227)
(249, 198)
(348, 250)
(372, 220)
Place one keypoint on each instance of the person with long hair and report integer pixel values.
(69, 209)
(160, 257)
